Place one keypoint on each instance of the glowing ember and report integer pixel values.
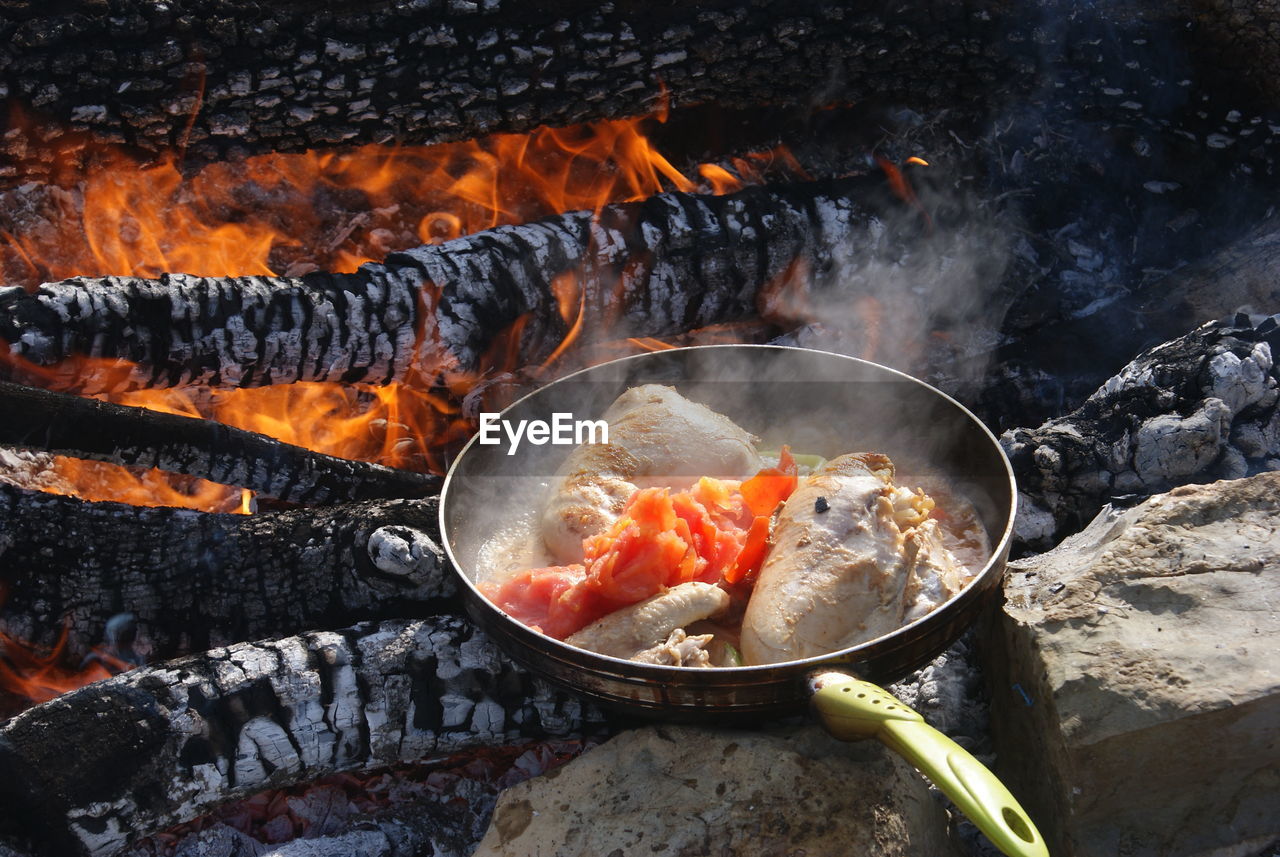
(902, 188)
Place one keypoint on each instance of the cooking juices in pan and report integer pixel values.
(765, 557)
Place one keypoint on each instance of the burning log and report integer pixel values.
(1198, 408)
(137, 437)
(194, 580)
(237, 79)
(97, 768)
(669, 264)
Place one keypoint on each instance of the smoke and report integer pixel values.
(929, 299)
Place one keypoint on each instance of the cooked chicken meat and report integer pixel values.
(653, 432)
(853, 555)
(679, 650)
(647, 624)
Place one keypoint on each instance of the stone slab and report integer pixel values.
(677, 790)
(1135, 675)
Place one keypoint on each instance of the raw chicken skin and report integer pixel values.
(653, 432)
(852, 555)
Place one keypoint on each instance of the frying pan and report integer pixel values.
(816, 402)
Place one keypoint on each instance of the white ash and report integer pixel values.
(948, 693)
(403, 551)
(24, 468)
(1194, 409)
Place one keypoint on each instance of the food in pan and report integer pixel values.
(854, 557)
(765, 560)
(653, 432)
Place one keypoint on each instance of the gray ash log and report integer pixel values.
(194, 580)
(137, 437)
(437, 808)
(1198, 408)
(1041, 372)
(220, 79)
(669, 264)
(94, 769)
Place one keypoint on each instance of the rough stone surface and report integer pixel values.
(683, 791)
(1135, 677)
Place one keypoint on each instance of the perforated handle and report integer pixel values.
(851, 708)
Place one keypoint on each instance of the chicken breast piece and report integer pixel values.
(653, 432)
(851, 558)
(646, 624)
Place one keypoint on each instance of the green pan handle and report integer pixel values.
(851, 708)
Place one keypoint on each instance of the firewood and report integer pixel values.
(89, 772)
(1043, 366)
(137, 437)
(194, 580)
(669, 264)
(236, 79)
(1195, 409)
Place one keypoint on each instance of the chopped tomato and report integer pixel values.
(763, 492)
(545, 599)
(748, 561)
(639, 557)
(717, 530)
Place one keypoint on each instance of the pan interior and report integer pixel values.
(815, 402)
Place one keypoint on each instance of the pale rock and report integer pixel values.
(678, 790)
(1135, 675)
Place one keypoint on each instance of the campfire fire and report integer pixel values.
(262, 268)
(290, 214)
(269, 215)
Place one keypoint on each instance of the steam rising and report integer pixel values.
(927, 300)
(813, 401)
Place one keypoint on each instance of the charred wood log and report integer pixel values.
(194, 580)
(439, 808)
(1198, 408)
(237, 77)
(137, 437)
(669, 264)
(94, 769)
(1042, 369)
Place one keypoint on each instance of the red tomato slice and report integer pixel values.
(747, 564)
(772, 485)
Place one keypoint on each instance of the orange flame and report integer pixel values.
(263, 217)
(902, 188)
(37, 677)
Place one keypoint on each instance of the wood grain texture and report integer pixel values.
(194, 580)
(94, 769)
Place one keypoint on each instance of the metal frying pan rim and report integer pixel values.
(848, 656)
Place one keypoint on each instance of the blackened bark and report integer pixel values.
(195, 580)
(219, 79)
(1198, 408)
(1042, 367)
(669, 264)
(96, 768)
(137, 437)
